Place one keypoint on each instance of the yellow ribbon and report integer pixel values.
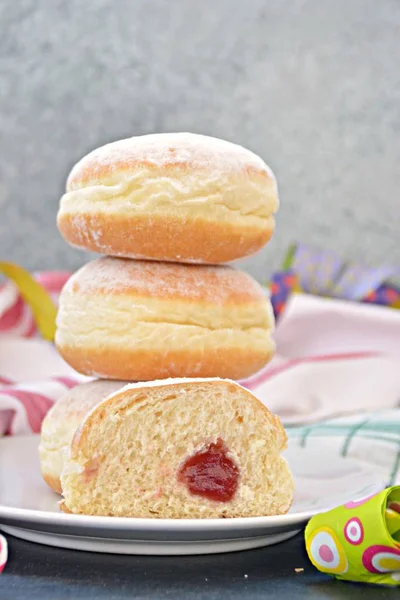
(43, 308)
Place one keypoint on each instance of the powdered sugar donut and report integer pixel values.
(175, 197)
(142, 320)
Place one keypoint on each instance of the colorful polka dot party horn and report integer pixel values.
(359, 541)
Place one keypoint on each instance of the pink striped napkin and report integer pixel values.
(333, 358)
(32, 375)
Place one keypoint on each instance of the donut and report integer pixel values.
(177, 197)
(142, 320)
(62, 420)
(175, 449)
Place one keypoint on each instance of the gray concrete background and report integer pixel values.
(313, 86)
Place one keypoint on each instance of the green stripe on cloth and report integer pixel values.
(373, 438)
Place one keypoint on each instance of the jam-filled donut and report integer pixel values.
(175, 197)
(200, 448)
(62, 420)
(143, 320)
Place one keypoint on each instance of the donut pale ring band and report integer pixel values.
(175, 197)
(61, 422)
(142, 320)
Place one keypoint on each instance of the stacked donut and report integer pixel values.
(167, 211)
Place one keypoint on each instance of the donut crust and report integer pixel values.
(170, 197)
(140, 320)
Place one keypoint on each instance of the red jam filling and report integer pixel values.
(211, 473)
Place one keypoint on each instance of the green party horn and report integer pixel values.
(359, 541)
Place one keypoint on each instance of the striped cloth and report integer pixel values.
(23, 406)
(32, 375)
(372, 438)
(16, 318)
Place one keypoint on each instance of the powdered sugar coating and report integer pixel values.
(80, 399)
(216, 284)
(164, 151)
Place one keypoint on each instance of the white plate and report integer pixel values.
(29, 510)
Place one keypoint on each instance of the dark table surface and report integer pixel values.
(36, 571)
